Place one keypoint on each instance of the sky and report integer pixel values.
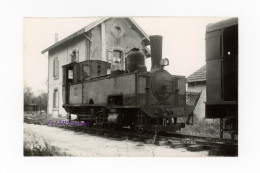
(183, 43)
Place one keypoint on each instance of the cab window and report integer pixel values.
(70, 74)
(86, 71)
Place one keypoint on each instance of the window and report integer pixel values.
(116, 59)
(74, 56)
(55, 99)
(56, 68)
(86, 71)
(117, 30)
(70, 74)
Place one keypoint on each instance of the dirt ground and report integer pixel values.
(81, 144)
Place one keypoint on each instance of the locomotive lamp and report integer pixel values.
(164, 62)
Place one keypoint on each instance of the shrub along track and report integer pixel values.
(215, 146)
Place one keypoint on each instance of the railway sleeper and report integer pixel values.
(189, 144)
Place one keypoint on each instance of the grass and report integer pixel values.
(36, 149)
(204, 127)
(40, 147)
(40, 118)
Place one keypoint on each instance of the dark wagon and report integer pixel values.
(222, 74)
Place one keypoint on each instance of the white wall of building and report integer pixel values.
(200, 107)
(63, 54)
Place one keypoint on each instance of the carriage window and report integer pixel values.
(86, 71)
(70, 74)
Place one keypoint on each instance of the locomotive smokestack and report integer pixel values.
(156, 50)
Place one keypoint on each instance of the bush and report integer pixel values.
(204, 127)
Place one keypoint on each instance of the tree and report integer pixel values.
(28, 95)
(41, 101)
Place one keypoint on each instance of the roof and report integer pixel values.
(91, 26)
(199, 75)
(222, 24)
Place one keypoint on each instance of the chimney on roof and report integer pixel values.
(56, 37)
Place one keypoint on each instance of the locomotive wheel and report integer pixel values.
(113, 127)
(90, 124)
(139, 129)
(99, 125)
(132, 127)
(139, 124)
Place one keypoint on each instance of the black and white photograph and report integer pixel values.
(131, 87)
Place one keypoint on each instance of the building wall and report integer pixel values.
(96, 48)
(63, 55)
(200, 107)
(131, 37)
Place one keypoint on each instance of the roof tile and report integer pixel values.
(199, 75)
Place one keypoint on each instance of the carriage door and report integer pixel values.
(230, 70)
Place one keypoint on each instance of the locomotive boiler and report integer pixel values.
(143, 100)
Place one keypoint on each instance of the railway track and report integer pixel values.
(214, 146)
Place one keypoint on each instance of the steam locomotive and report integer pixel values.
(143, 100)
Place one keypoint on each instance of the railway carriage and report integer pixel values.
(222, 74)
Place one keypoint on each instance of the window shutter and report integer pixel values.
(57, 67)
(123, 60)
(55, 99)
(87, 50)
(73, 55)
(77, 55)
(53, 71)
(110, 56)
(70, 58)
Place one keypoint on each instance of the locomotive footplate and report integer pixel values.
(163, 128)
